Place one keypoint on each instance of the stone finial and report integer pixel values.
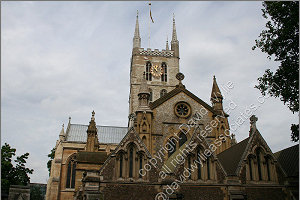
(253, 120)
(179, 76)
(93, 115)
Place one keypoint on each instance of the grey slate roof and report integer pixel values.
(231, 157)
(106, 134)
(289, 160)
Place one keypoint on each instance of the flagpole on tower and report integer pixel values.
(149, 22)
(150, 19)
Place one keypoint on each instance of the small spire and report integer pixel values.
(215, 92)
(92, 125)
(136, 38)
(174, 35)
(167, 44)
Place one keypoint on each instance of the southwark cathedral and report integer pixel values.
(176, 146)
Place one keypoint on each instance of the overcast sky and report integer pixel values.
(66, 59)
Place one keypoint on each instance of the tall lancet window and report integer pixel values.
(130, 162)
(198, 164)
(121, 165)
(250, 168)
(141, 165)
(259, 164)
(268, 168)
(164, 77)
(71, 173)
(208, 168)
(148, 73)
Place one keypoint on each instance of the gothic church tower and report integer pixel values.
(161, 68)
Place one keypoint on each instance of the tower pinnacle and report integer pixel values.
(175, 42)
(174, 35)
(136, 38)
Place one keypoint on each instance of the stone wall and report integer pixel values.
(17, 192)
(264, 193)
(129, 192)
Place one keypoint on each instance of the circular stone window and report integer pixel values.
(182, 109)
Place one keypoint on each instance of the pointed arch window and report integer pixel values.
(130, 162)
(71, 173)
(163, 92)
(148, 73)
(164, 77)
(182, 140)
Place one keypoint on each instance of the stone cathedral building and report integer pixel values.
(176, 146)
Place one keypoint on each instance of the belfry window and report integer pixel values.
(163, 92)
(148, 73)
(164, 74)
(71, 173)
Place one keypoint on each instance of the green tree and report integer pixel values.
(36, 193)
(13, 175)
(51, 156)
(281, 40)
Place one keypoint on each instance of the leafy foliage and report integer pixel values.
(281, 40)
(11, 175)
(51, 156)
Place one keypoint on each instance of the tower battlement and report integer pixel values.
(155, 52)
